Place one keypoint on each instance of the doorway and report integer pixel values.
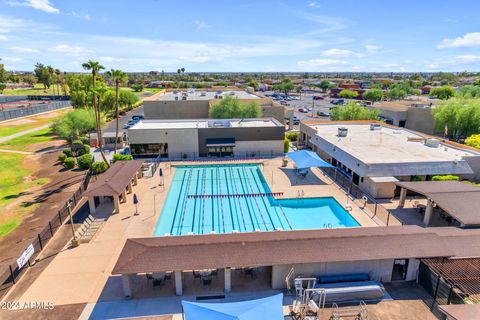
(400, 268)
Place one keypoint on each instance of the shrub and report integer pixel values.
(69, 163)
(61, 157)
(292, 136)
(122, 157)
(85, 161)
(286, 145)
(81, 149)
(68, 152)
(446, 178)
(99, 166)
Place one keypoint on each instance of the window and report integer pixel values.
(150, 149)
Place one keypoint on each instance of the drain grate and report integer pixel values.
(219, 296)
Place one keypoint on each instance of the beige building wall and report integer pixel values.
(179, 140)
(379, 270)
(378, 190)
(179, 109)
(259, 147)
(420, 119)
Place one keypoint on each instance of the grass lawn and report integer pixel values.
(37, 90)
(12, 185)
(20, 143)
(9, 128)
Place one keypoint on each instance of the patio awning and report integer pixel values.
(221, 142)
(269, 308)
(306, 159)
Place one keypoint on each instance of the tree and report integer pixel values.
(137, 87)
(4, 74)
(443, 93)
(44, 74)
(469, 91)
(118, 77)
(348, 94)
(353, 111)
(285, 86)
(461, 117)
(95, 67)
(373, 95)
(231, 107)
(397, 93)
(473, 141)
(74, 124)
(324, 85)
(3, 86)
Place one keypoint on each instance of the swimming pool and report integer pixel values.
(236, 198)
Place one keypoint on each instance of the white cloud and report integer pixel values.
(372, 48)
(200, 24)
(320, 62)
(111, 59)
(3, 38)
(469, 40)
(23, 49)
(11, 59)
(313, 4)
(70, 50)
(339, 53)
(43, 5)
(80, 15)
(468, 58)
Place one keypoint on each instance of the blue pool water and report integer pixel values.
(191, 208)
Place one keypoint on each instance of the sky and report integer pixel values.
(242, 36)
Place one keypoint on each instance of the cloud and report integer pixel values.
(80, 15)
(313, 4)
(330, 24)
(23, 49)
(340, 53)
(11, 59)
(3, 38)
(371, 48)
(468, 40)
(111, 59)
(43, 5)
(320, 62)
(200, 24)
(468, 58)
(70, 50)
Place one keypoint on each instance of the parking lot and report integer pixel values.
(305, 101)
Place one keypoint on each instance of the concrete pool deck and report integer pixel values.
(80, 275)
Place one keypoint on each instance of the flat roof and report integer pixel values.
(461, 311)
(205, 123)
(459, 199)
(257, 249)
(206, 95)
(387, 145)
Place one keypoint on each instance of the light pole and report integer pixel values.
(75, 241)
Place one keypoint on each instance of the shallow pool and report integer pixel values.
(236, 198)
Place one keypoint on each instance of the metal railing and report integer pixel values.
(33, 109)
(362, 199)
(13, 273)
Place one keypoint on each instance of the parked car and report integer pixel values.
(126, 126)
(318, 98)
(323, 114)
(138, 117)
(309, 109)
(295, 121)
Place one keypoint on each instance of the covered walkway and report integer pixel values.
(460, 200)
(115, 183)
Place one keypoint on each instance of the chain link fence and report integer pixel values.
(33, 109)
(10, 276)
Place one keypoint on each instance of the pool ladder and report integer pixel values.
(328, 226)
(300, 194)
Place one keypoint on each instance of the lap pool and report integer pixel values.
(236, 198)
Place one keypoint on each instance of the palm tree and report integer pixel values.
(95, 66)
(118, 77)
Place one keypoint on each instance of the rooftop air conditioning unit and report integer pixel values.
(432, 143)
(176, 97)
(375, 126)
(184, 98)
(342, 132)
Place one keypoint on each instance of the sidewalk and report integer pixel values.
(19, 134)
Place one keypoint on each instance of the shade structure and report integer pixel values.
(305, 159)
(269, 308)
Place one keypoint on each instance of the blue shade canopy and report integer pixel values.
(269, 308)
(306, 159)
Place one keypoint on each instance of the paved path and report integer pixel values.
(16, 151)
(22, 133)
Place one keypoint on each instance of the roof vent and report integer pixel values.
(432, 143)
(342, 132)
(375, 126)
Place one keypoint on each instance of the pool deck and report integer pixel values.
(82, 274)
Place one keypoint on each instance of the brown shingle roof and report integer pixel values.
(462, 311)
(115, 179)
(460, 200)
(276, 248)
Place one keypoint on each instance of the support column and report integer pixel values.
(101, 199)
(403, 196)
(135, 180)
(129, 187)
(127, 292)
(178, 283)
(91, 204)
(116, 203)
(124, 196)
(228, 280)
(428, 213)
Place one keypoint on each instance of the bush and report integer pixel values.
(61, 157)
(122, 157)
(81, 149)
(446, 178)
(85, 161)
(286, 145)
(99, 166)
(70, 163)
(292, 136)
(68, 152)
